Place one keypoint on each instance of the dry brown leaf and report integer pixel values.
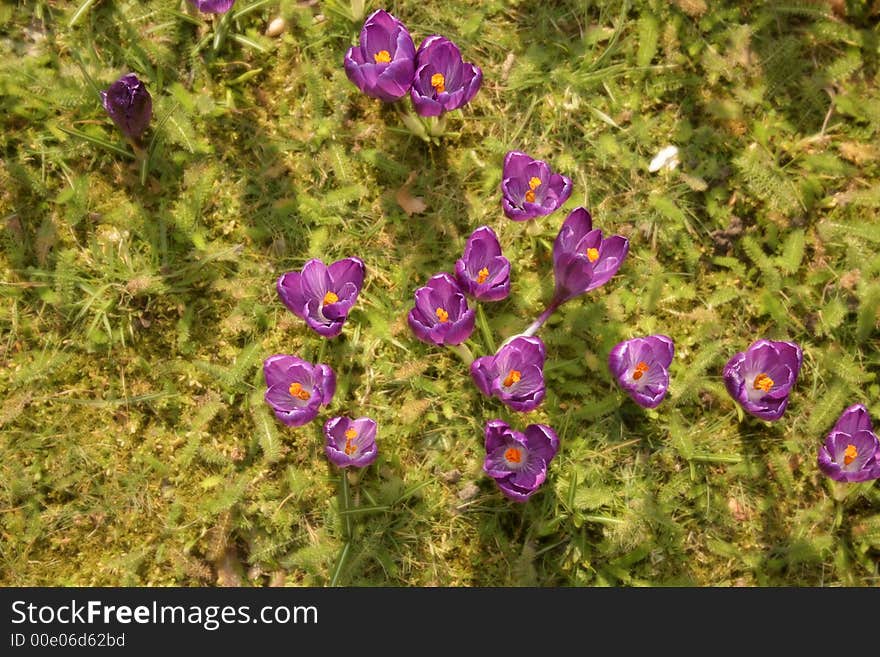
(409, 203)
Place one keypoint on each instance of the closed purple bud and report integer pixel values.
(129, 104)
(582, 259)
(851, 452)
(515, 374)
(350, 442)
(442, 81)
(213, 6)
(441, 314)
(641, 367)
(482, 272)
(760, 379)
(529, 188)
(322, 295)
(383, 63)
(518, 461)
(296, 389)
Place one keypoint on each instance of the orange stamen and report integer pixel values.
(763, 382)
(513, 376)
(640, 370)
(592, 254)
(350, 448)
(850, 454)
(350, 434)
(482, 275)
(382, 57)
(330, 297)
(513, 455)
(442, 315)
(296, 390)
(438, 81)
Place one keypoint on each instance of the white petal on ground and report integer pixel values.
(665, 159)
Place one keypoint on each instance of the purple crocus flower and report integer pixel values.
(129, 104)
(582, 259)
(213, 6)
(529, 188)
(296, 389)
(851, 451)
(482, 271)
(441, 314)
(383, 64)
(761, 378)
(350, 442)
(442, 81)
(641, 367)
(518, 461)
(515, 374)
(322, 295)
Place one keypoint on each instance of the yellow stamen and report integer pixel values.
(382, 57)
(438, 81)
(592, 254)
(513, 455)
(763, 382)
(442, 315)
(330, 297)
(482, 275)
(350, 434)
(530, 196)
(296, 390)
(850, 454)
(640, 370)
(513, 376)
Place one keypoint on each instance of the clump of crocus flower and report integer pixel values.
(518, 461)
(760, 379)
(529, 188)
(130, 105)
(443, 81)
(482, 272)
(296, 389)
(515, 374)
(350, 442)
(641, 367)
(382, 65)
(851, 452)
(441, 314)
(213, 6)
(323, 295)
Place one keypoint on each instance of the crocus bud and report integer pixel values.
(129, 104)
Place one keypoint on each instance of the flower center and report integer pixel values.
(513, 376)
(442, 315)
(763, 382)
(534, 183)
(296, 390)
(850, 454)
(330, 297)
(350, 434)
(513, 455)
(438, 81)
(592, 254)
(350, 448)
(482, 275)
(382, 57)
(640, 370)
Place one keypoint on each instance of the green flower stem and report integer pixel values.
(462, 352)
(348, 531)
(484, 329)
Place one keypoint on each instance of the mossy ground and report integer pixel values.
(136, 447)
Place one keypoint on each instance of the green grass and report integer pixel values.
(138, 305)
